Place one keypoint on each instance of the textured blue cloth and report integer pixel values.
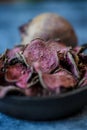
(11, 17)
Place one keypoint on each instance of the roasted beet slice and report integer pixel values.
(18, 74)
(73, 66)
(77, 49)
(3, 64)
(11, 53)
(49, 61)
(69, 61)
(23, 80)
(34, 80)
(37, 51)
(83, 81)
(81, 49)
(34, 51)
(83, 58)
(62, 78)
(1, 68)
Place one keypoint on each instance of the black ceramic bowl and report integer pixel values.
(45, 108)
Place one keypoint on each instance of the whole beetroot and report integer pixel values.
(49, 26)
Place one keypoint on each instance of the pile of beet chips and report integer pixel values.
(42, 68)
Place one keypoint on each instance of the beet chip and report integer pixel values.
(37, 51)
(73, 67)
(49, 61)
(1, 67)
(18, 74)
(34, 51)
(83, 58)
(68, 61)
(12, 53)
(83, 82)
(55, 81)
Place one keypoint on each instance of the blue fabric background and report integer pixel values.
(11, 17)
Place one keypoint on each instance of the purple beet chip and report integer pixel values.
(49, 61)
(34, 51)
(12, 53)
(73, 67)
(18, 74)
(38, 51)
(55, 81)
(68, 61)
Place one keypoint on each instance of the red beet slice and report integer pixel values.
(11, 53)
(34, 51)
(73, 66)
(83, 58)
(83, 81)
(37, 51)
(3, 61)
(18, 74)
(54, 82)
(23, 80)
(1, 68)
(69, 61)
(77, 49)
(49, 61)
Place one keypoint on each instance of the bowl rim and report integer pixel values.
(42, 98)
